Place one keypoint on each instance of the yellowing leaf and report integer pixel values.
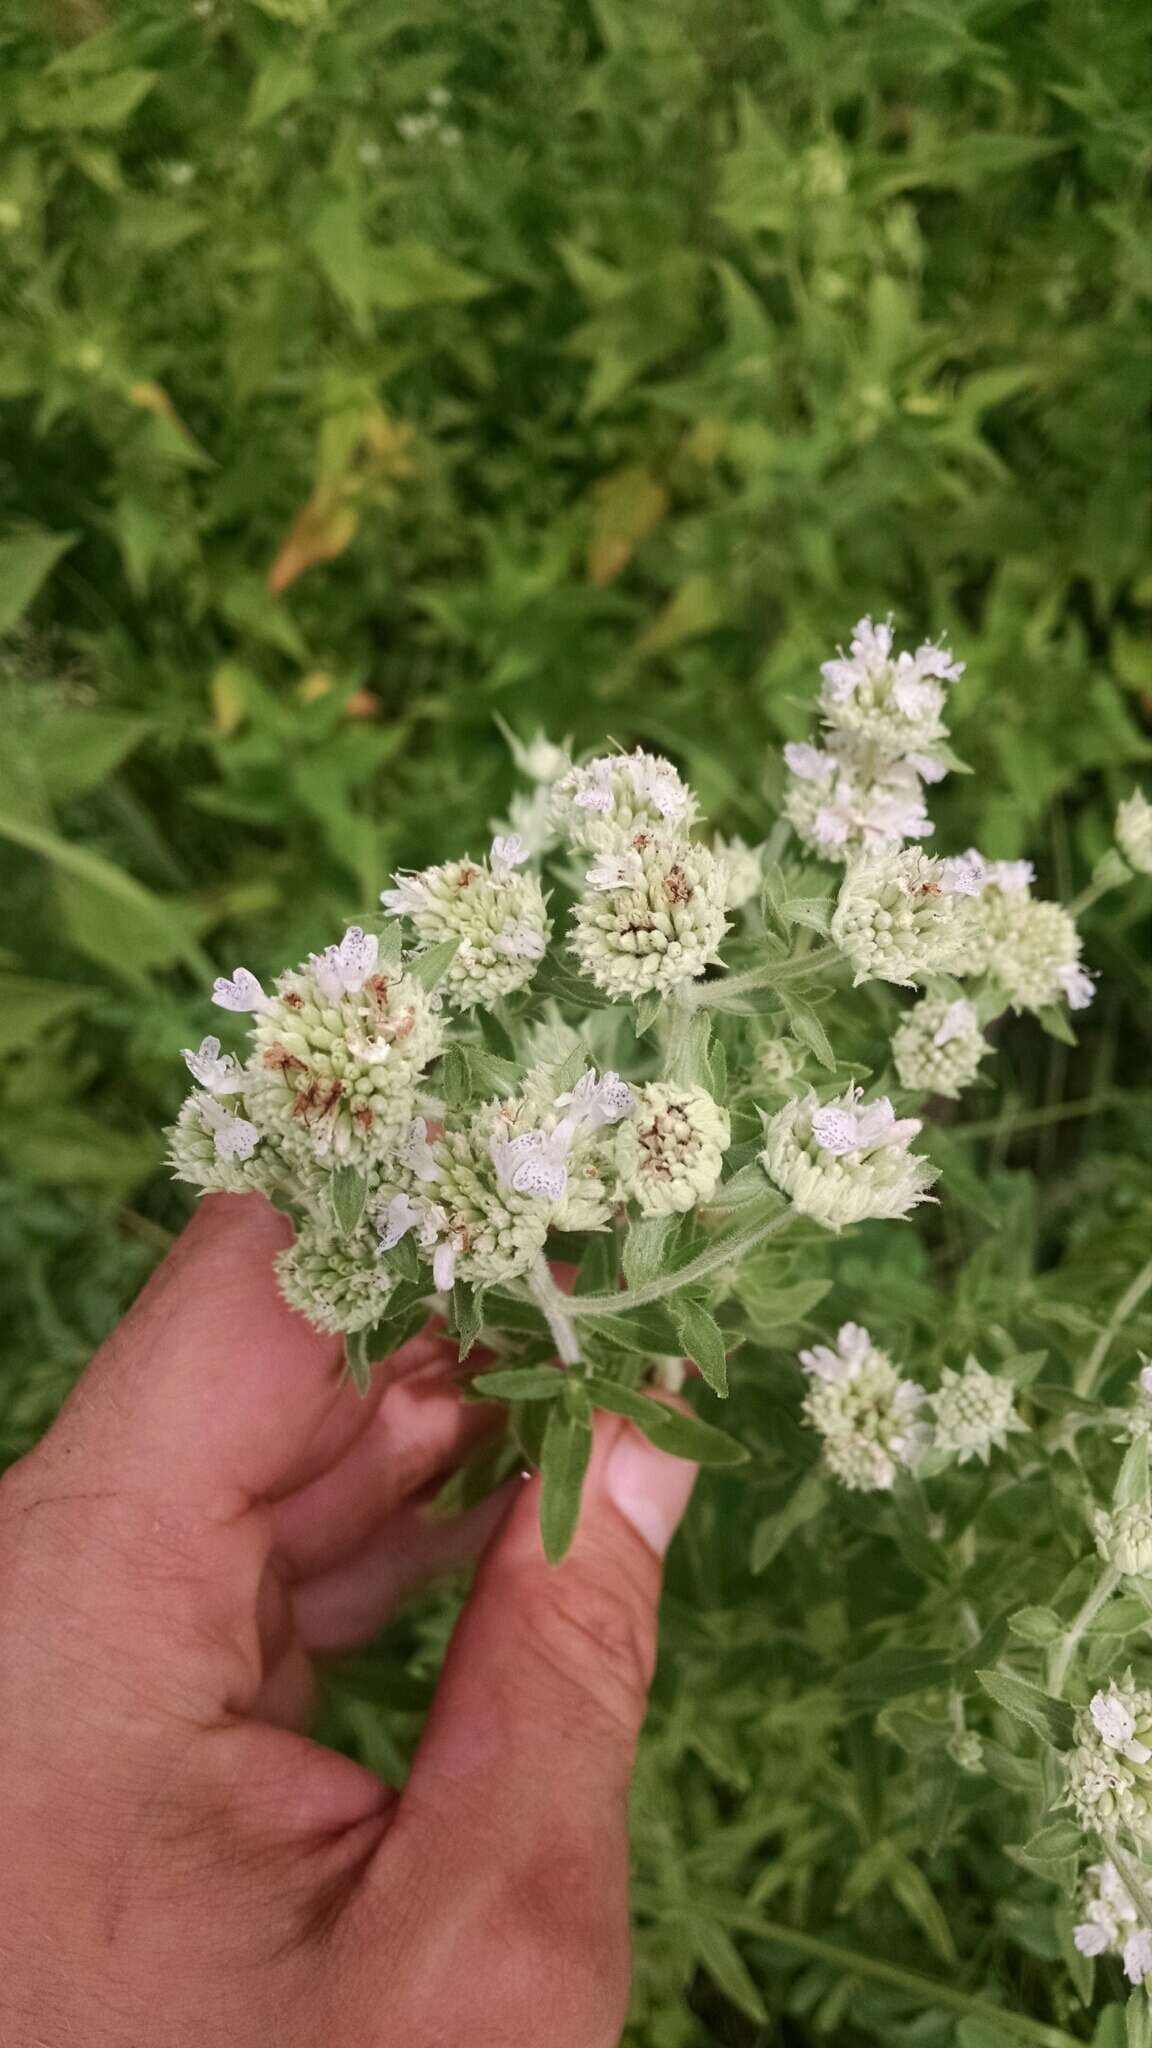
(697, 606)
(626, 507)
(319, 532)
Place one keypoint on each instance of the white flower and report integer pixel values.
(961, 876)
(1115, 1724)
(508, 852)
(1134, 832)
(343, 969)
(1012, 877)
(842, 1127)
(401, 1216)
(1109, 1912)
(1138, 1955)
(408, 897)
(540, 759)
(864, 1411)
(416, 1153)
(850, 1164)
(623, 870)
(219, 1072)
(593, 1103)
(1078, 985)
(810, 763)
(521, 942)
(233, 1137)
(535, 1163)
(241, 992)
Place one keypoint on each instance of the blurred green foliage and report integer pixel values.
(372, 367)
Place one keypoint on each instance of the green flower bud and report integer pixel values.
(498, 916)
(974, 1413)
(1134, 832)
(338, 1282)
(938, 1046)
(1124, 1539)
(670, 1152)
(653, 915)
(905, 917)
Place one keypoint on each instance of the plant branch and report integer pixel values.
(1063, 1651)
(1129, 1301)
(712, 1260)
(704, 995)
(554, 1305)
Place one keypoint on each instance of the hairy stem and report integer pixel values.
(554, 1306)
(704, 995)
(1063, 1652)
(1129, 1301)
(712, 1260)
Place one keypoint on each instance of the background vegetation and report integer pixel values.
(369, 368)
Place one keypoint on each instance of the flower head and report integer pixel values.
(1111, 1924)
(896, 701)
(938, 1046)
(974, 1413)
(670, 1152)
(846, 1160)
(1124, 1538)
(1030, 948)
(617, 795)
(853, 798)
(905, 917)
(218, 1152)
(653, 917)
(338, 1282)
(1109, 1772)
(1134, 832)
(497, 915)
(333, 1076)
(865, 1412)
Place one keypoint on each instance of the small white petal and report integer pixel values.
(240, 992)
(1078, 985)
(444, 1267)
(398, 1219)
(835, 1130)
(507, 853)
(810, 763)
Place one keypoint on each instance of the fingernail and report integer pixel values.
(650, 1488)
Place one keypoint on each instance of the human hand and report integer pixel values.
(181, 1868)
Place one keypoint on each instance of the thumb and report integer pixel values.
(521, 1780)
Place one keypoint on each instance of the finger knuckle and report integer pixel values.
(592, 1637)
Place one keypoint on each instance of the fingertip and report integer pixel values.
(648, 1487)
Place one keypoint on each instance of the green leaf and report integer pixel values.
(702, 1339)
(1050, 1719)
(26, 561)
(685, 1436)
(564, 1455)
(348, 1194)
(408, 274)
(278, 85)
(806, 1026)
(105, 879)
(29, 1008)
(645, 1010)
(520, 1383)
(1131, 1489)
(467, 1315)
(1054, 1853)
(715, 1950)
(69, 104)
(358, 1357)
(1037, 1625)
(773, 1532)
(430, 966)
(644, 1248)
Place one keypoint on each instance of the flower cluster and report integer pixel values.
(1134, 832)
(1109, 1771)
(866, 1414)
(1029, 948)
(670, 1152)
(863, 791)
(938, 1046)
(906, 917)
(1124, 1538)
(1111, 1924)
(845, 1160)
(496, 916)
(973, 1414)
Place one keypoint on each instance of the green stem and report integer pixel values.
(712, 1260)
(704, 995)
(555, 1307)
(1129, 1301)
(929, 1990)
(1063, 1652)
(1112, 872)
